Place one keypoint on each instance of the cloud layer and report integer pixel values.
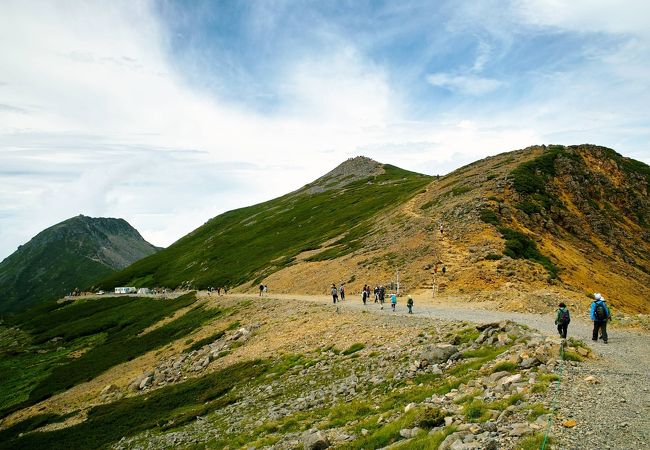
(168, 113)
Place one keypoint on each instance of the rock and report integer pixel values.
(591, 380)
(409, 407)
(509, 380)
(569, 423)
(528, 363)
(582, 351)
(405, 433)
(496, 376)
(520, 429)
(314, 439)
(146, 382)
(439, 354)
(108, 390)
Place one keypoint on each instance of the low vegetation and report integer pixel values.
(253, 242)
(109, 331)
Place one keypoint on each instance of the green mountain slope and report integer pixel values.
(248, 244)
(74, 253)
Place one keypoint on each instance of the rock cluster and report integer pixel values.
(332, 380)
(181, 366)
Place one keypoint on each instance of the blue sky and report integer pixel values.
(167, 113)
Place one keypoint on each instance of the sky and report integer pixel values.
(168, 113)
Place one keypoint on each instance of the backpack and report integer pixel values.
(564, 316)
(600, 313)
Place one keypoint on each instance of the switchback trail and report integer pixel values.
(612, 413)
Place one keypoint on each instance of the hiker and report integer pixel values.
(409, 304)
(376, 293)
(442, 229)
(393, 301)
(335, 293)
(599, 315)
(562, 319)
(266, 289)
(261, 289)
(364, 295)
(444, 270)
(342, 291)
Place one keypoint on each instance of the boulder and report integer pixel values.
(314, 439)
(439, 353)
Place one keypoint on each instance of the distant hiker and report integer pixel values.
(382, 295)
(266, 289)
(364, 294)
(442, 229)
(393, 301)
(444, 270)
(342, 291)
(335, 293)
(409, 304)
(599, 315)
(261, 289)
(376, 294)
(562, 319)
(435, 268)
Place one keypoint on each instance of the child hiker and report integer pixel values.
(562, 319)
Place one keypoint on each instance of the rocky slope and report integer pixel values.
(72, 254)
(572, 220)
(287, 374)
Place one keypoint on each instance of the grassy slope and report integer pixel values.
(109, 329)
(249, 243)
(51, 272)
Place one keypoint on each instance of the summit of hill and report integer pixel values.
(71, 254)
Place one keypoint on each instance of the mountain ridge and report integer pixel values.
(68, 255)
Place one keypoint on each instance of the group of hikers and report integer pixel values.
(599, 314)
(218, 290)
(598, 311)
(379, 293)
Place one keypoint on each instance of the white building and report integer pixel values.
(125, 290)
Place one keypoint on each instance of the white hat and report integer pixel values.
(597, 296)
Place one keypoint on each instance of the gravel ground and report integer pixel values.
(611, 412)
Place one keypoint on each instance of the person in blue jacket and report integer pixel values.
(599, 315)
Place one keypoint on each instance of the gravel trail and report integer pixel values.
(611, 413)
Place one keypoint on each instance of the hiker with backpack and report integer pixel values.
(342, 291)
(335, 293)
(562, 319)
(409, 304)
(393, 301)
(599, 315)
(364, 294)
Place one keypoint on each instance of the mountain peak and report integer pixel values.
(347, 172)
(74, 253)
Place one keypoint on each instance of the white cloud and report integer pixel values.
(625, 16)
(464, 84)
(95, 119)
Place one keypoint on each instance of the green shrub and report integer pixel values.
(489, 216)
(505, 366)
(430, 418)
(493, 257)
(518, 245)
(475, 411)
(354, 348)
(459, 190)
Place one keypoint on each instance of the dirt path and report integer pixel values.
(613, 413)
